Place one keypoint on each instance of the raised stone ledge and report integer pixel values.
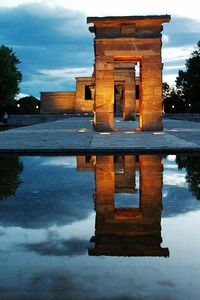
(163, 18)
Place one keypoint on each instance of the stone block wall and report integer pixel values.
(57, 102)
(83, 105)
(125, 72)
(134, 38)
(128, 231)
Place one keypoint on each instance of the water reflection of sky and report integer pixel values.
(45, 232)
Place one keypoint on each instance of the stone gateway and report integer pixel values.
(120, 44)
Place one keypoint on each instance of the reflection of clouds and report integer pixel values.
(171, 157)
(175, 179)
(165, 194)
(60, 239)
(79, 228)
(52, 193)
(67, 161)
(59, 247)
(178, 200)
(169, 166)
(2, 232)
(69, 285)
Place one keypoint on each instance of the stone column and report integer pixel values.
(132, 38)
(129, 231)
(104, 93)
(151, 91)
(130, 99)
(125, 182)
(151, 191)
(105, 184)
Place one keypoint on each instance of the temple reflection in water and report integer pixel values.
(133, 229)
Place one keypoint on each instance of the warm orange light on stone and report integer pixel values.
(128, 39)
(83, 105)
(128, 231)
(57, 102)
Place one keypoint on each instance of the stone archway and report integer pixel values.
(128, 39)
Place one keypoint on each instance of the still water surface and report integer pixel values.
(123, 227)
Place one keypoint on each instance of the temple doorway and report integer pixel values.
(118, 99)
(119, 43)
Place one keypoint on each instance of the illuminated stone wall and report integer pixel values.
(125, 72)
(128, 39)
(85, 163)
(57, 102)
(83, 105)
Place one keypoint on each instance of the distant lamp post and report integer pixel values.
(189, 105)
(37, 106)
(18, 105)
(172, 106)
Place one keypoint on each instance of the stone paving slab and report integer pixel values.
(76, 135)
(146, 141)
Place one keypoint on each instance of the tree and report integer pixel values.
(188, 81)
(10, 169)
(10, 77)
(173, 99)
(28, 105)
(192, 166)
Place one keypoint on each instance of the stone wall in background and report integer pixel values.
(57, 102)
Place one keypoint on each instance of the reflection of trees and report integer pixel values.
(10, 169)
(192, 166)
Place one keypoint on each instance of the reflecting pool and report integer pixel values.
(100, 227)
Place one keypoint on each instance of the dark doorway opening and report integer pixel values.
(88, 93)
(118, 99)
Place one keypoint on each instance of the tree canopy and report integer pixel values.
(10, 77)
(185, 96)
(10, 169)
(188, 81)
(28, 105)
(192, 166)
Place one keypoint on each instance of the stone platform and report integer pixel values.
(76, 135)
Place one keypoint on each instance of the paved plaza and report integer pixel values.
(76, 135)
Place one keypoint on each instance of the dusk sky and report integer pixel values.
(52, 40)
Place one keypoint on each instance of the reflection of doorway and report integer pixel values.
(119, 99)
(125, 93)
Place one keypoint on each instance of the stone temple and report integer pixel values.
(121, 45)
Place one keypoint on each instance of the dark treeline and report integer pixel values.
(185, 96)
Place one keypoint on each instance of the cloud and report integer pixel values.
(180, 37)
(174, 67)
(104, 7)
(45, 38)
(67, 73)
(172, 54)
(21, 95)
(170, 78)
(54, 43)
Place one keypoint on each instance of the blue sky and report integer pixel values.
(52, 40)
